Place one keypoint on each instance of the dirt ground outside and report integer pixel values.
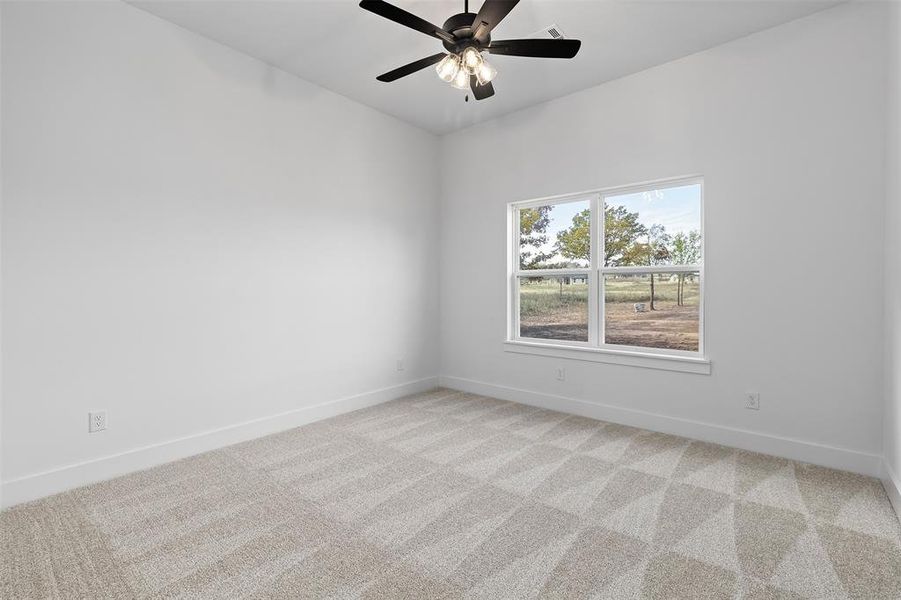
(669, 326)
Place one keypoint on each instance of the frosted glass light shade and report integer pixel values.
(461, 80)
(448, 67)
(472, 60)
(485, 73)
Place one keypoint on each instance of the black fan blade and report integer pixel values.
(480, 92)
(536, 48)
(411, 68)
(491, 13)
(399, 15)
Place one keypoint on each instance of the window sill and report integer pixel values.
(666, 362)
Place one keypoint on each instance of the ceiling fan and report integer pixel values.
(466, 36)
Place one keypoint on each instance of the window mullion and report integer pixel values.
(596, 285)
(514, 265)
(639, 270)
(552, 273)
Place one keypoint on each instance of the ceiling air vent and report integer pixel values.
(552, 32)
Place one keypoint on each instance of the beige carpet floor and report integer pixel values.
(450, 495)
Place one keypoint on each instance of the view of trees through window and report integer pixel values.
(650, 294)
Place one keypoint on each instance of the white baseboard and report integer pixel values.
(827, 456)
(892, 486)
(39, 485)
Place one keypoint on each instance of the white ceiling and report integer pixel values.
(341, 47)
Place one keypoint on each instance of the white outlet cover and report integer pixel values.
(752, 401)
(96, 421)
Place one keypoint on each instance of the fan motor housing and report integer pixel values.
(461, 26)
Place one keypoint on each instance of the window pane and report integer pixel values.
(555, 236)
(670, 321)
(554, 308)
(657, 227)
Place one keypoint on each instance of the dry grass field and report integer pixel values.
(549, 310)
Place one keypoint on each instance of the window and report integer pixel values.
(614, 272)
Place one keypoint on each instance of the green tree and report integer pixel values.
(622, 235)
(685, 250)
(575, 243)
(654, 250)
(533, 224)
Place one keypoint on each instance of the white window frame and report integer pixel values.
(595, 350)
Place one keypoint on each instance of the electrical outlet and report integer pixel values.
(752, 401)
(400, 364)
(96, 421)
(561, 374)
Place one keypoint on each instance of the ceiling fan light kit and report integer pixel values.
(466, 36)
(457, 70)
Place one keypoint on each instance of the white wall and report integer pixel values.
(786, 126)
(893, 261)
(192, 239)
